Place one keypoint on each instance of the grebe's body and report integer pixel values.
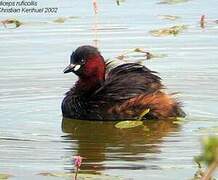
(124, 93)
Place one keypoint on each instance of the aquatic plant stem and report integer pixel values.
(75, 177)
(77, 164)
(210, 171)
(202, 21)
(95, 6)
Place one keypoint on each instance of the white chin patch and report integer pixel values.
(76, 68)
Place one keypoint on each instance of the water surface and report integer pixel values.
(33, 138)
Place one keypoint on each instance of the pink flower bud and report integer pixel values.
(77, 161)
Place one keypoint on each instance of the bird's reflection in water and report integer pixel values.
(106, 147)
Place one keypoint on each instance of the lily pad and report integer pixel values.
(5, 176)
(169, 17)
(173, 1)
(128, 124)
(11, 23)
(175, 30)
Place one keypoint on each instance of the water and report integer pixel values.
(33, 138)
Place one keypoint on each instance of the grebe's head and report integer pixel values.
(87, 62)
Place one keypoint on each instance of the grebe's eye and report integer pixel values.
(82, 61)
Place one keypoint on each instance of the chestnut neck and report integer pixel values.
(93, 76)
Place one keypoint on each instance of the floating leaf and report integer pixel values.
(82, 176)
(50, 174)
(11, 22)
(64, 19)
(148, 55)
(146, 111)
(175, 30)
(169, 17)
(5, 176)
(173, 1)
(139, 50)
(60, 20)
(121, 57)
(155, 55)
(178, 120)
(119, 2)
(73, 17)
(128, 124)
(138, 55)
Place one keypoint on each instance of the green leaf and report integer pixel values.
(128, 124)
(210, 150)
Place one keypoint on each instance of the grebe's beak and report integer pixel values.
(72, 68)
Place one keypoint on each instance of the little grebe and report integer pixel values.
(124, 93)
